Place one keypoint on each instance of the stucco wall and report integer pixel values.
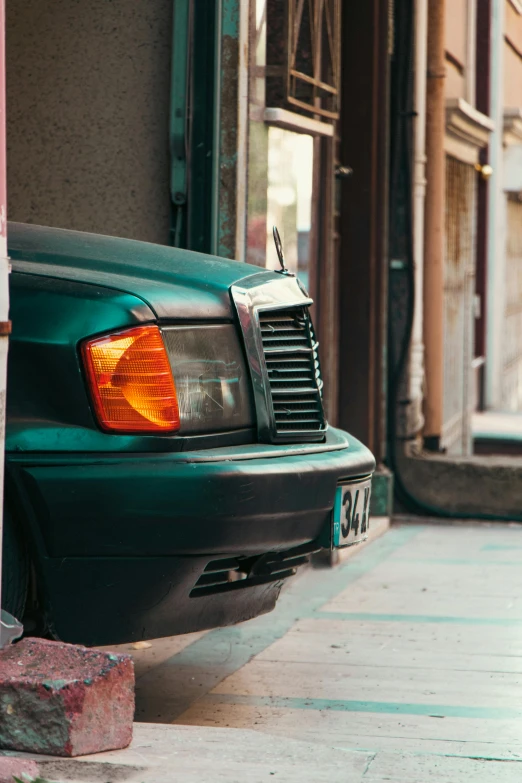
(87, 111)
(456, 45)
(513, 58)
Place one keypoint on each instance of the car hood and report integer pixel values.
(175, 283)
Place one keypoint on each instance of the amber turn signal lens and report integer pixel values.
(131, 382)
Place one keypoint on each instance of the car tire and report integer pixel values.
(15, 569)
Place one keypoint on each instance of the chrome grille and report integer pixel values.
(292, 363)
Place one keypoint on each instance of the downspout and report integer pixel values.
(433, 283)
(242, 133)
(416, 379)
(216, 145)
(495, 283)
(179, 119)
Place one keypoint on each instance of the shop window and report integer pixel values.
(289, 198)
(302, 56)
(294, 106)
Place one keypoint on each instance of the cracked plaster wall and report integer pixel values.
(88, 91)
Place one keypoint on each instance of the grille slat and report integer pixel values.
(292, 422)
(279, 354)
(293, 375)
(287, 341)
(292, 362)
(230, 574)
(275, 366)
(214, 578)
(295, 389)
(295, 405)
(281, 328)
(301, 378)
(295, 414)
(219, 565)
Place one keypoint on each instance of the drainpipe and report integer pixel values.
(433, 284)
(216, 144)
(419, 196)
(496, 250)
(4, 287)
(179, 121)
(242, 132)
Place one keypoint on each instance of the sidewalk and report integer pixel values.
(414, 646)
(404, 664)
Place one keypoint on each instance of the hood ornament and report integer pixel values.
(284, 270)
(279, 250)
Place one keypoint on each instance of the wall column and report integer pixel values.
(416, 376)
(433, 299)
(496, 247)
(363, 257)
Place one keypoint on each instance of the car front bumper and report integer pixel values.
(121, 540)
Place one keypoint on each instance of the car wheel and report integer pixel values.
(15, 569)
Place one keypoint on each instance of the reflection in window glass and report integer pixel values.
(289, 199)
(259, 51)
(257, 187)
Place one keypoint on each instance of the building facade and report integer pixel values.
(385, 142)
(203, 124)
(465, 352)
(503, 378)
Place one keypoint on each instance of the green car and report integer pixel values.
(168, 461)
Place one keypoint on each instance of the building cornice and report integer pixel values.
(299, 123)
(512, 126)
(467, 130)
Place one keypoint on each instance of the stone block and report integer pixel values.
(10, 766)
(63, 699)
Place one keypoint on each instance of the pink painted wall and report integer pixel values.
(456, 45)
(3, 175)
(512, 58)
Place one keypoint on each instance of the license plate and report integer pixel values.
(351, 514)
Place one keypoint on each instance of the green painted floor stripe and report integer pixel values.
(468, 561)
(379, 707)
(223, 651)
(415, 618)
(498, 548)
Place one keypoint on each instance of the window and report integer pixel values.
(289, 199)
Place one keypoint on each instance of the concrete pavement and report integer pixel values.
(403, 664)
(415, 645)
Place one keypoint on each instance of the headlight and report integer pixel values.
(212, 384)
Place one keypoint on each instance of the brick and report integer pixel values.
(63, 699)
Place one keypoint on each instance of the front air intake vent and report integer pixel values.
(237, 573)
(294, 376)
